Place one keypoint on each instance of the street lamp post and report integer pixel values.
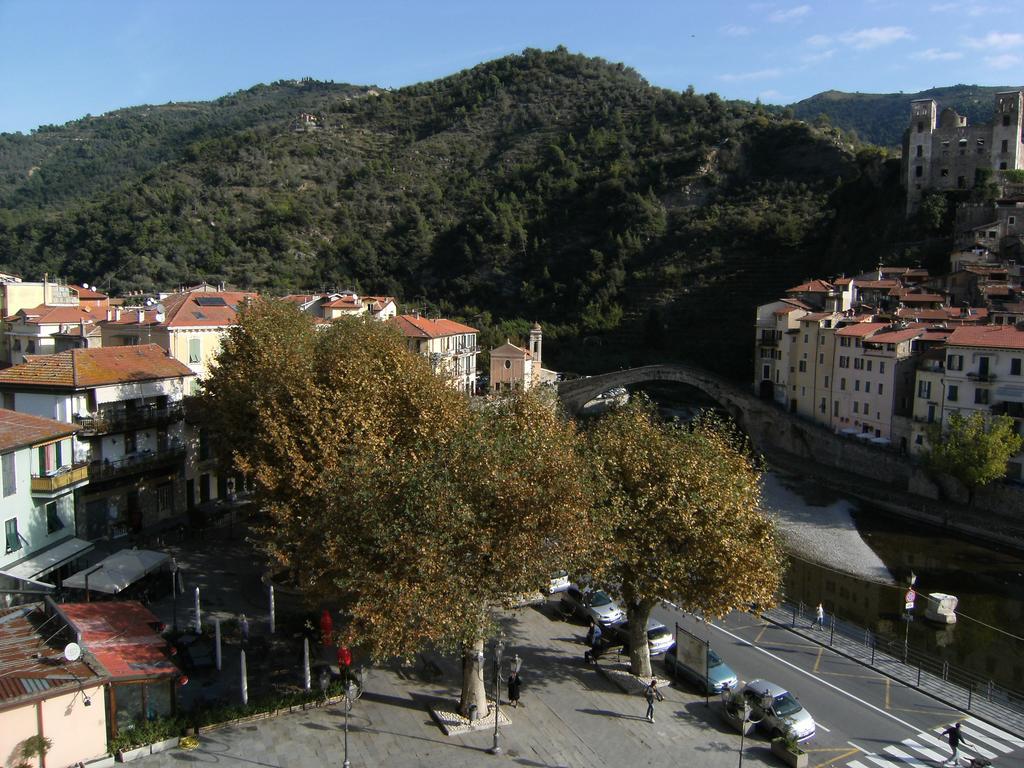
(353, 690)
(174, 590)
(499, 648)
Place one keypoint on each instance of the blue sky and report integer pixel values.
(61, 59)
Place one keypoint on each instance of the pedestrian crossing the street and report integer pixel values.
(928, 749)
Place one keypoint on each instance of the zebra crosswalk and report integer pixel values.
(928, 749)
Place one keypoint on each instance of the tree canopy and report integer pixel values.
(683, 518)
(974, 449)
(386, 494)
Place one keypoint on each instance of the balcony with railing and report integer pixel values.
(142, 461)
(981, 376)
(61, 481)
(109, 420)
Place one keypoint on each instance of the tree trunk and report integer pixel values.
(639, 651)
(473, 690)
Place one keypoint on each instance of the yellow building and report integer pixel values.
(451, 347)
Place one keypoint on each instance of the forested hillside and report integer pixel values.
(880, 118)
(636, 223)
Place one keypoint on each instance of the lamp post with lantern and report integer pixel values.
(499, 649)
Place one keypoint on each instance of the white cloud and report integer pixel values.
(998, 40)
(872, 37)
(814, 58)
(759, 74)
(1003, 61)
(934, 54)
(972, 9)
(819, 41)
(771, 96)
(789, 14)
(736, 30)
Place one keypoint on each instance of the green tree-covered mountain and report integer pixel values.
(881, 118)
(636, 223)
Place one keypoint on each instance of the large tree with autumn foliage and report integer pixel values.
(682, 519)
(385, 493)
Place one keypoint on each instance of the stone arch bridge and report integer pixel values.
(760, 420)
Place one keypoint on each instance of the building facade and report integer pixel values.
(450, 347)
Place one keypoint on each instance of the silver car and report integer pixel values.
(659, 637)
(592, 604)
(779, 710)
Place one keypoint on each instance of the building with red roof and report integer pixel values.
(450, 347)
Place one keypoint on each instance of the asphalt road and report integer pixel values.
(864, 719)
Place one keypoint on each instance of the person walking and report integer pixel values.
(593, 640)
(651, 694)
(243, 624)
(956, 738)
(819, 618)
(514, 685)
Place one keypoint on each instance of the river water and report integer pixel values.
(988, 581)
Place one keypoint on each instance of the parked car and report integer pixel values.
(559, 582)
(717, 678)
(592, 604)
(659, 637)
(781, 711)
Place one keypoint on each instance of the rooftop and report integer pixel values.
(124, 638)
(18, 430)
(80, 368)
(988, 336)
(414, 326)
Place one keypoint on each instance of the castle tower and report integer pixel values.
(536, 337)
(1007, 142)
(917, 150)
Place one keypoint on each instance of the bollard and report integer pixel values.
(216, 642)
(271, 609)
(794, 615)
(970, 695)
(305, 664)
(245, 684)
(918, 674)
(872, 654)
(832, 632)
(199, 620)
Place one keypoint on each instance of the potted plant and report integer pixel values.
(788, 749)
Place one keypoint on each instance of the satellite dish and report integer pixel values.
(72, 652)
(85, 285)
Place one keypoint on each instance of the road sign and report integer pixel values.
(909, 606)
(910, 597)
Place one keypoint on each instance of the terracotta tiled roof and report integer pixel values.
(842, 282)
(348, 301)
(921, 298)
(300, 298)
(47, 314)
(812, 286)
(34, 667)
(204, 308)
(916, 313)
(896, 335)
(816, 316)
(80, 368)
(124, 637)
(422, 328)
(87, 293)
(997, 290)
(860, 329)
(18, 430)
(866, 285)
(989, 336)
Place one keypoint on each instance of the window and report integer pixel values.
(920, 126)
(1002, 166)
(856, 407)
(856, 385)
(1004, 147)
(1014, 366)
(1011, 220)
(858, 363)
(981, 396)
(952, 393)
(944, 172)
(961, 182)
(869, 365)
(9, 477)
(881, 366)
(803, 366)
(879, 389)
(822, 406)
(30, 347)
(805, 338)
(924, 389)
(865, 409)
(920, 150)
(835, 408)
(842, 384)
(844, 341)
(919, 171)
(195, 350)
(844, 362)
(981, 142)
(954, 362)
(9, 401)
(53, 521)
(919, 440)
(11, 535)
(131, 443)
(1006, 120)
(821, 358)
(867, 387)
(826, 382)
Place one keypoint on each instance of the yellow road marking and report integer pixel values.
(817, 661)
(760, 635)
(831, 761)
(888, 692)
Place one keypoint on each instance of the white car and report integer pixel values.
(779, 709)
(592, 604)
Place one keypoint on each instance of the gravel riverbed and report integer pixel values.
(817, 526)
